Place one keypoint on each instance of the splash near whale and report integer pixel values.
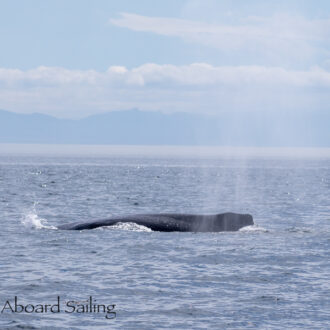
(168, 222)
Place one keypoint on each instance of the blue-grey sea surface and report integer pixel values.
(272, 275)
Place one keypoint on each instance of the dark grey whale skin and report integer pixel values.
(168, 222)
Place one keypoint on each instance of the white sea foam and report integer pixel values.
(30, 219)
(131, 226)
(254, 228)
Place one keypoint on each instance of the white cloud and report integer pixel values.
(279, 37)
(151, 74)
(197, 87)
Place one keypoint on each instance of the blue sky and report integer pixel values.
(76, 58)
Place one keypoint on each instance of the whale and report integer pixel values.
(171, 222)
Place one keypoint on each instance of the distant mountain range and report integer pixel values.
(136, 127)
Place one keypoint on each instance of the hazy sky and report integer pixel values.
(76, 58)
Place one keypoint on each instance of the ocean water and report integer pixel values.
(272, 275)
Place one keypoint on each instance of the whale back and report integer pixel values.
(216, 222)
(168, 222)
